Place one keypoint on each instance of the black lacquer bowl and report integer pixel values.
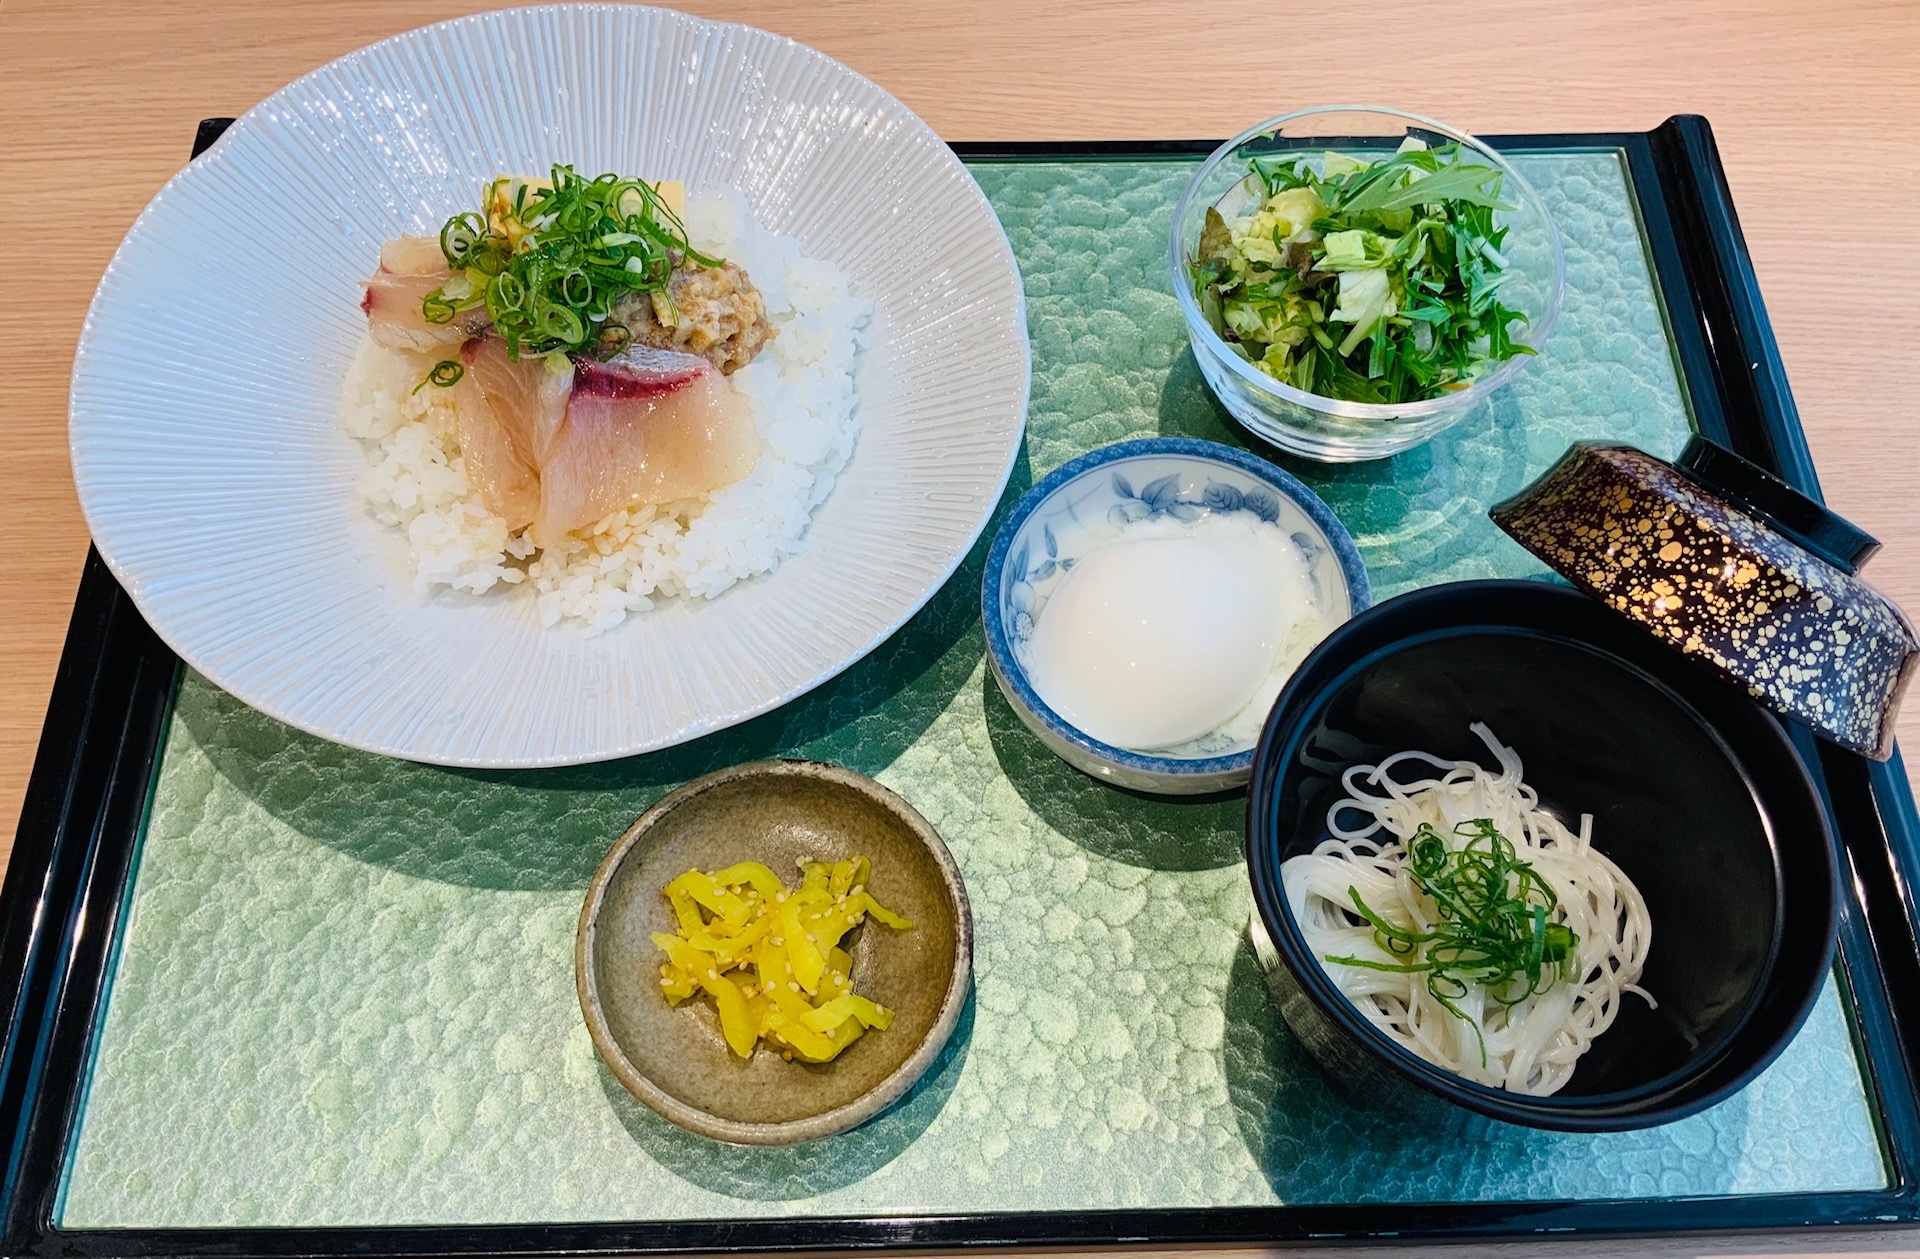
(1696, 793)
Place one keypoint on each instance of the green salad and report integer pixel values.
(1364, 281)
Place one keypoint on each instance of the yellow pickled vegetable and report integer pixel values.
(742, 1031)
(752, 873)
(794, 983)
(802, 953)
(833, 1014)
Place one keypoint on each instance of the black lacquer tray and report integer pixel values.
(121, 698)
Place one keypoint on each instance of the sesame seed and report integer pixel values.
(792, 986)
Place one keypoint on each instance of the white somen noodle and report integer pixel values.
(1532, 1045)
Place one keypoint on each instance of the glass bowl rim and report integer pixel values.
(1424, 408)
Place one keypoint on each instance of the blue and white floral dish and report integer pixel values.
(1085, 503)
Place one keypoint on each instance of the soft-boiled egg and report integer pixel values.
(1173, 628)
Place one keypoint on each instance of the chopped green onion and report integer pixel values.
(553, 284)
(1492, 929)
(435, 308)
(445, 375)
(457, 239)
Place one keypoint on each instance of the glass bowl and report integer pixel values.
(1328, 429)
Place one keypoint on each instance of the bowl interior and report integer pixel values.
(1532, 247)
(778, 818)
(1670, 806)
(1094, 502)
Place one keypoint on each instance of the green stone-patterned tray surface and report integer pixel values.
(344, 994)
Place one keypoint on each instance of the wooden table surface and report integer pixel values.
(1813, 106)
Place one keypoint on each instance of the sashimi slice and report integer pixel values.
(503, 406)
(412, 255)
(410, 268)
(645, 427)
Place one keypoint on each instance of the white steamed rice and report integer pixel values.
(802, 394)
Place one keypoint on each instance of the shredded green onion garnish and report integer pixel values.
(445, 375)
(1492, 928)
(550, 285)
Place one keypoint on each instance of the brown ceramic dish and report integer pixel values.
(1736, 569)
(776, 812)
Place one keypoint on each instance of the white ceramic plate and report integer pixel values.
(220, 489)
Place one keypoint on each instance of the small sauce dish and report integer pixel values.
(1184, 579)
(674, 1058)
